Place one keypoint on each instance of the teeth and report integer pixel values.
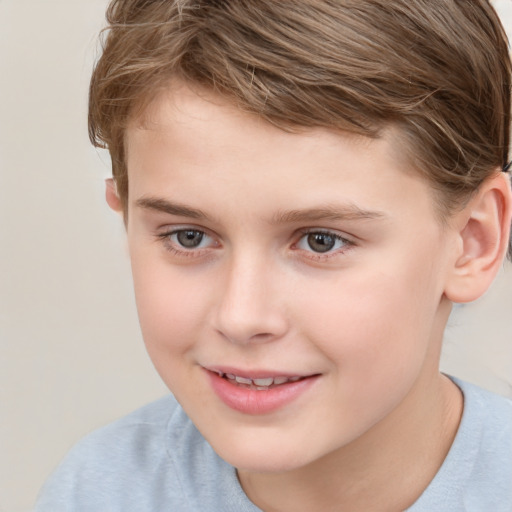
(260, 383)
(264, 382)
(243, 380)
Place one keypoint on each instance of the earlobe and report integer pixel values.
(112, 196)
(483, 240)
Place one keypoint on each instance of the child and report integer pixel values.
(307, 187)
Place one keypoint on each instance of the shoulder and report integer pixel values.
(477, 472)
(152, 459)
(122, 440)
(488, 435)
(114, 462)
(487, 418)
(484, 446)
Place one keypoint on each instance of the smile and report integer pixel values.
(258, 384)
(261, 393)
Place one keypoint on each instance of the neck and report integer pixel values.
(385, 469)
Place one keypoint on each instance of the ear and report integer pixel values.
(483, 235)
(112, 196)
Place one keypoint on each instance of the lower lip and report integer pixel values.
(251, 401)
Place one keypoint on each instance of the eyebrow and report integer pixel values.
(335, 213)
(165, 206)
(330, 212)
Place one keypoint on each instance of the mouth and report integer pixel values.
(261, 384)
(258, 392)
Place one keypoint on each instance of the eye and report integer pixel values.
(322, 242)
(188, 238)
(186, 241)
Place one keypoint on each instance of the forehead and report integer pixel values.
(189, 114)
(191, 138)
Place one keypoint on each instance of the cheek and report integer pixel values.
(169, 305)
(373, 324)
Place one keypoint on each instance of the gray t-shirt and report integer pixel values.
(155, 460)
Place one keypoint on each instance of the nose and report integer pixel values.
(249, 309)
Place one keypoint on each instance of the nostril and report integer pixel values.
(262, 336)
(240, 337)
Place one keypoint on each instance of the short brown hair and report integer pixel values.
(437, 70)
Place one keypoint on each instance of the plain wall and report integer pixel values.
(71, 354)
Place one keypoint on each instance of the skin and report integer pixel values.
(367, 316)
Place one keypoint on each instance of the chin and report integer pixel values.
(262, 457)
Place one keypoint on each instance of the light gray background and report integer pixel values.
(71, 355)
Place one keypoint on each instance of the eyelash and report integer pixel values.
(319, 256)
(197, 252)
(172, 246)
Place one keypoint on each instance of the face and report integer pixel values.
(289, 285)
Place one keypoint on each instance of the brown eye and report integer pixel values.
(189, 238)
(321, 242)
